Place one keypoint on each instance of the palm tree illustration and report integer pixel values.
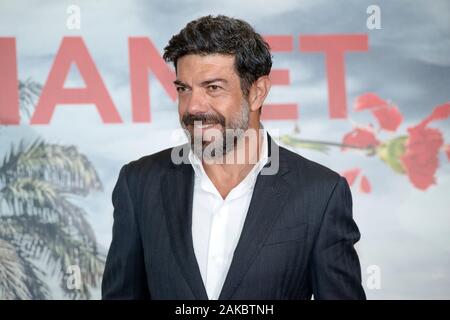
(42, 229)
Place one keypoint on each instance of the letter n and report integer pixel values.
(143, 57)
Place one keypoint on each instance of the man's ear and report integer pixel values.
(258, 92)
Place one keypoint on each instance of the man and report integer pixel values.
(195, 223)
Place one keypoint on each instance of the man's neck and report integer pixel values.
(225, 176)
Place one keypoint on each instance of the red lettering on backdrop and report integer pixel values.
(9, 96)
(280, 111)
(334, 47)
(143, 56)
(73, 50)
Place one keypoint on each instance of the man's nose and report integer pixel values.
(197, 102)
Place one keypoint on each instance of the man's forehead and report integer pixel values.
(209, 63)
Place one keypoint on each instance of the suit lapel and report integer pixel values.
(177, 192)
(269, 195)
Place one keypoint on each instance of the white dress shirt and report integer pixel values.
(217, 223)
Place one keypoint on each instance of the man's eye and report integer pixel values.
(213, 87)
(181, 89)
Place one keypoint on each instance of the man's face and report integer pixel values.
(210, 101)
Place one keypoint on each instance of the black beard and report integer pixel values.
(206, 118)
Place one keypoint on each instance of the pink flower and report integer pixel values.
(388, 116)
(368, 101)
(439, 113)
(421, 157)
(364, 185)
(360, 137)
(352, 174)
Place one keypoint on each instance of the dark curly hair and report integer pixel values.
(224, 35)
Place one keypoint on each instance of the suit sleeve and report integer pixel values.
(124, 276)
(335, 269)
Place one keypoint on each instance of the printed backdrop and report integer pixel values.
(362, 87)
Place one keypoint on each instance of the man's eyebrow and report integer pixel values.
(180, 83)
(206, 82)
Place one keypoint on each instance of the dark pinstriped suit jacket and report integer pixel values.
(297, 238)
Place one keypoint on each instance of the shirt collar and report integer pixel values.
(245, 185)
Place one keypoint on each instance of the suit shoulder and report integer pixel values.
(308, 169)
(158, 158)
(150, 165)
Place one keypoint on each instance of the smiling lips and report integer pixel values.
(201, 128)
(204, 126)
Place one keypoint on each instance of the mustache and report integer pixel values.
(205, 118)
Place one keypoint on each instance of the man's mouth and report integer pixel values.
(206, 130)
(203, 126)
